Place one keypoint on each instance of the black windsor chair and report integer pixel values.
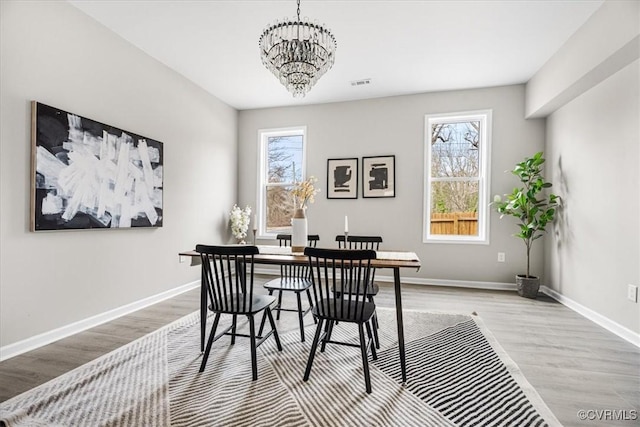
(285, 239)
(370, 243)
(227, 272)
(293, 278)
(352, 269)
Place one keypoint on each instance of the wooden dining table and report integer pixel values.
(276, 255)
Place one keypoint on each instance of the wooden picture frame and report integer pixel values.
(379, 176)
(342, 178)
(88, 175)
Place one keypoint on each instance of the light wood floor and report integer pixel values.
(573, 363)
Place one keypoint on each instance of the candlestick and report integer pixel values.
(255, 228)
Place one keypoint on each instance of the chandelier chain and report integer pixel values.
(298, 10)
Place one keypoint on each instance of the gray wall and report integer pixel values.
(591, 89)
(53, 53)
(396, 126)
(594, 152)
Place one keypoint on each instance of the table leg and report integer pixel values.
(203, 312)
(399, 321)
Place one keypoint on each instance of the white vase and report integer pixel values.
(298, 231)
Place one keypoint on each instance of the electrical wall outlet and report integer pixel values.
(632, 293)
(501, 257)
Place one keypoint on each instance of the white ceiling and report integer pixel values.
(404, 47)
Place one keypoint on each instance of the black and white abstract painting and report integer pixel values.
(342, 178)
(379, 176)
(88, 175)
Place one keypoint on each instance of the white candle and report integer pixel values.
(255, 222)
(346, 224)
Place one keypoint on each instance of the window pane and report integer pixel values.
(454, 208)
(279, 208)
(455, 149)
(284, 158)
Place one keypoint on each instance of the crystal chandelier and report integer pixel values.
(297, 53)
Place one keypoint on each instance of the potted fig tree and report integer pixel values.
(533, 209)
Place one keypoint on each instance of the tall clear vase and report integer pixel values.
(298, 230)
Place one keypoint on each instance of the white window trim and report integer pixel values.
(263, 135)
(485, 117)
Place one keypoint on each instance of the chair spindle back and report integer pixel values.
(227, 272)
(329, 267)
(359, 242)
(290, 270)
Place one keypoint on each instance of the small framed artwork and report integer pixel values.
(342, 178)
(379, 176)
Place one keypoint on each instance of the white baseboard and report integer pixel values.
(11, 350)
(613, 327)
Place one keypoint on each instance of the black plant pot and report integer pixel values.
(528, 286)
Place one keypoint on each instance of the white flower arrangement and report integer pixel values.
(239, 220)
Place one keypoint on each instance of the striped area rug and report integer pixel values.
(457, 373)
(458, 376)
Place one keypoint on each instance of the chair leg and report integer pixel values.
(326, 326)
(374, 325)
(312, 352)
(365, 359)
(311, 305)
(273, 328)
(375, 317)
(327, 334)
(279, 304)
(338, 296)
(264, 318)
(233, 329)
(371, 338)
(300, 319)
(210, 342)
(262, 322)
(254, 356)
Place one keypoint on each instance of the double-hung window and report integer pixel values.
(282, 160)
(457, 154)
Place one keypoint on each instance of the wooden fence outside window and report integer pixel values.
(456, 223)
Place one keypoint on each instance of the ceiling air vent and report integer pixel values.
(361, 82)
